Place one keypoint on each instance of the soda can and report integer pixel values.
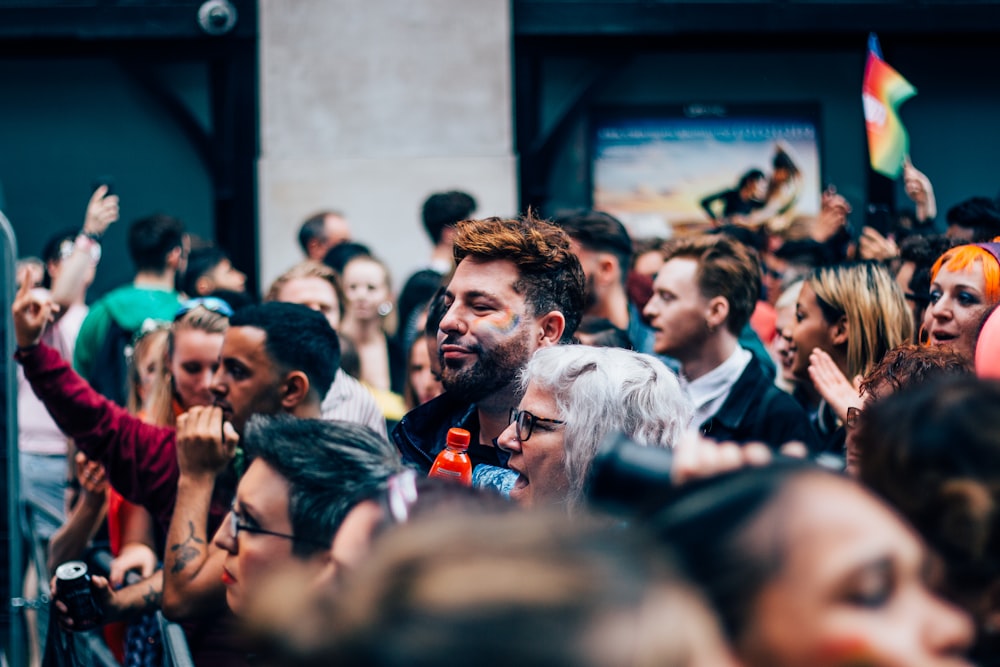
(73, 589)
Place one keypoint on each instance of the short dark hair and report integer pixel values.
(980, 214)
(726, 268)
(599, 232)
(314, 227)
(339, 255)
(749, 177)
(297, 338)
(201, 261)
(551, 278)
(446, 209)
(151, 239)
(923, 251)
(330, 466)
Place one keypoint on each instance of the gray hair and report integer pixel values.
(598, 390)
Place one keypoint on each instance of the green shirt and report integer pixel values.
(129, 306)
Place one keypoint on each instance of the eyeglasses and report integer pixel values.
(853, 415)
(525, 422)
(235, 526)
(212, 303)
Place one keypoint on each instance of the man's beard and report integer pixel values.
(493, 369)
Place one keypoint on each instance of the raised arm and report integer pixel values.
(139, 458)
(192, 565)
(71, 284)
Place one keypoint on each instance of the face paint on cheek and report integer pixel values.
(497, 323)
(846, 652)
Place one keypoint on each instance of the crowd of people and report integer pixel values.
(764, 445)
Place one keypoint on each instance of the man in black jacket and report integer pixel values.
(702, 297)
(517, 287)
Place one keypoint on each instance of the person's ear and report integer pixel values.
(718, 312)
(607, 270)
(294, 390)
(839, 331)
(174, 257)
(203, 286)
(550, 328)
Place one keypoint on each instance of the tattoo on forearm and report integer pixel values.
(152, 598)
(185, 552)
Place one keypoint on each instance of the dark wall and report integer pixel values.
(574, 55)
(65, 122)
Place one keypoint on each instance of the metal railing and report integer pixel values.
(86, 648)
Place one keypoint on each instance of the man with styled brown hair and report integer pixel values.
(703, 296)
(517, 287)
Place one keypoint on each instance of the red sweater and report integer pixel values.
(141, 464)
(140, 459)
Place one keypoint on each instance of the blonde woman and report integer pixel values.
(847, 317)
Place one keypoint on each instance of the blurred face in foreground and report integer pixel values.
(854, 587)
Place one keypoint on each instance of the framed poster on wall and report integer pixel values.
(654, 167)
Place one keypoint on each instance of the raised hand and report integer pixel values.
(832, 385)
(33, 309)
(102, 211)
(205, 442)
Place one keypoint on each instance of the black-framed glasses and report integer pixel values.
(853, 415)
(212, 303)
(236, 525)
(525, 422)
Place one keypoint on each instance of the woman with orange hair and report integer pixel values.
(965, 284)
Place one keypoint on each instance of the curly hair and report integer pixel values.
(551, 278)
(931, 452)
(909, 365)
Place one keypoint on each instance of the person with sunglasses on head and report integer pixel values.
(275, 358)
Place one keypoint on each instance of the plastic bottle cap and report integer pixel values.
(458, 438)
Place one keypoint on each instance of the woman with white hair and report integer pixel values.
(573, 396)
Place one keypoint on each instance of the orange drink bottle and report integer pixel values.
(453, 462)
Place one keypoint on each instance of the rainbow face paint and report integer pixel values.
(497, 323)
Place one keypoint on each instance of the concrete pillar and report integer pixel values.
(367, 106)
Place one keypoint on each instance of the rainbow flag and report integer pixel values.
(883, 90)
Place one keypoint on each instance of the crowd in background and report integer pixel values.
(775, 442)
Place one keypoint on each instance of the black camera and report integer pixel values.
(626, 478)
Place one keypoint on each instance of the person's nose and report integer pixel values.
(941, 309)
(508, 439)
(452, 321)
(947, 630)
(224, 538)
(217, 384)
(651, 309)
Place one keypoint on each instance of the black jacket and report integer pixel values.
(756, 410)
(420, 435)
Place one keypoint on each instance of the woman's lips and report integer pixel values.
(227, 578)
